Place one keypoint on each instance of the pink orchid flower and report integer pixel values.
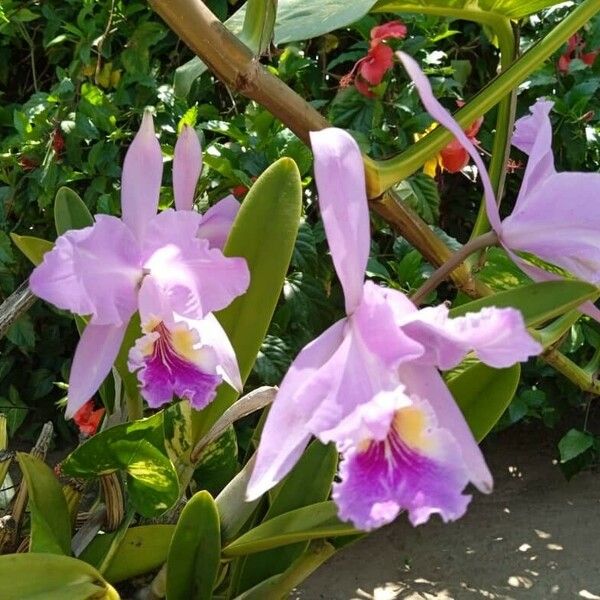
(556, 215)
(108, 270)
(370, 383)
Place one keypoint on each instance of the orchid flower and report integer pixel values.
(370, 383)
(556, 215)
(109, 270)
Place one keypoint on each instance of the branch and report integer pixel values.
(236, 66)
(16, 305)
(455, 261)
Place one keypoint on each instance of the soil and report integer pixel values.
(536, 537)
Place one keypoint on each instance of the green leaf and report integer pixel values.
(539, 302)
(467, 9)
(50, 520)
(264, 233)
(142, 550)
(420, 192)
(574, 443)
(500, 272)
(21, 333)
(308, 483)
(14, 409)
(307, 523)
(138, 449)
(177, 426)
(33, 248)
(32, 576)
(483, 394)
(218, 463)
(195, 551)
(70, 212)
(129, 379)
(305, 19)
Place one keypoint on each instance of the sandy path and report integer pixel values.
(537, 537)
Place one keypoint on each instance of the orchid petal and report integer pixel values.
(370, 420)
(195, 278)
(92, 271)
(187, 166)
(498, 337)
(355, 376)
(533, 135)
(140, 181)
(559, 221)
(153, 304)
(213, 335)
(92, 362)
(285, 434)
(340, 178)
(440, 114)
(426, 383)
(217, 221)
(376, 317)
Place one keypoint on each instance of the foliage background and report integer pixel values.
(74, 79)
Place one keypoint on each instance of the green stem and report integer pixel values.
(488, 239)
(583, 380)
(501, 147)
(384, 174)
(135, 407)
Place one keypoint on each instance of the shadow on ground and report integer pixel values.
(536, 537)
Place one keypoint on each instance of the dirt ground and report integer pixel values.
(536, 537)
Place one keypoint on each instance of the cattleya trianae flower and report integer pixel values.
(556, 215)
(370, 383)
(168, 265)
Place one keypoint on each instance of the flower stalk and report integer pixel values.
(458, 258)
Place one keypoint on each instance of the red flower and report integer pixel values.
(393, 29)
(58, 142)
(377, 63)
(379, 59)
(87, 419)
(239, 191)
(454, 158)
(575, 46)
(28, 164)
(589, 57)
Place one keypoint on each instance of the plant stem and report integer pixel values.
(16, 305)
(501, 147)
(135, 407)
(487, 239)
(583, 380)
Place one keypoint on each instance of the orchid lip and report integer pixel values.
(168, 364)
